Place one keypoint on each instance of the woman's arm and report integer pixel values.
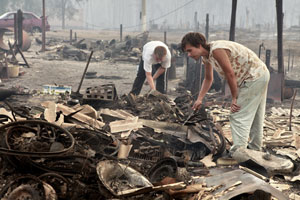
(206, 84)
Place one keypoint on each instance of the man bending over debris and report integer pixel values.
(247, 77)
(156, 58)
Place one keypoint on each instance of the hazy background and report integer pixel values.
(160, 14)
(180, 14)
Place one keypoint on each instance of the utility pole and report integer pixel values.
(232, 23)
(279, 43)
(207, 26)
(144, 21)
(44, 28)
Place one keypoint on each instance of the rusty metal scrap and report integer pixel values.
(159, 150)
(26, 41)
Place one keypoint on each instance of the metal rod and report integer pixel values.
(19, 50)
(86, 67)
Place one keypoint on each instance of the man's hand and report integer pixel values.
(197, 105)
(234, 107)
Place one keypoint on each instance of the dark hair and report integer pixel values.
(160, 51)
(194, 39)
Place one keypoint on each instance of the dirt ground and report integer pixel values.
(122, 74)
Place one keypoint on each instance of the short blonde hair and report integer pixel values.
(160, 51)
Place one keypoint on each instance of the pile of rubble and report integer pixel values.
(127, 50)
(134, 147)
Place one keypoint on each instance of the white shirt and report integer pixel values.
(149, 57)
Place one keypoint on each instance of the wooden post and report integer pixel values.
(232, 23)
(171, 73)
(19, 28)
(279, 43)
(207, 26)
(292, 62)
(289, 60)
(15, 27)
(44, 28)
(165, 37)
(71, 35)
(121, 32)
(279, 35)
(268, 58)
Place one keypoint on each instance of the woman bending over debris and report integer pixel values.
(247, 77)
(155, 60)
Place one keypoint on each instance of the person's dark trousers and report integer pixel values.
(141, 77)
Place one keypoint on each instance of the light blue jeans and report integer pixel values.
(247, 124)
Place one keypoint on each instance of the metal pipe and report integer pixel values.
(86, 67)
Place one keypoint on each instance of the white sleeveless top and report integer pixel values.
(244, 62)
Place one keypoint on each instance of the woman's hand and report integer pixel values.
(234, 107)
(197, 105)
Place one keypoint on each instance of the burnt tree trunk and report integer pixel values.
(232, 23)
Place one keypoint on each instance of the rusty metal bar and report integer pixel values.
(86, 67)
(14, 59)
(21, 53)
